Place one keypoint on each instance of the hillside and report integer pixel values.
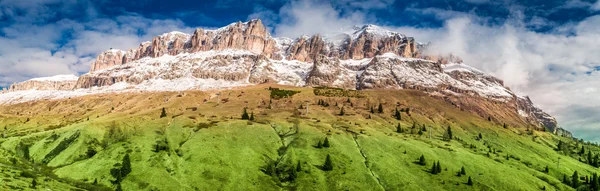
(202, 143)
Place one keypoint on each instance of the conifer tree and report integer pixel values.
(422, 160)
(589, 158)
(434, 168)
(469, 182)
(342, 111)
(398, 115)
(546, 170)
(298, 167)
(575, 180)
(33, 183)
(372, 110)
(348, 100)
(319, 144)
(582, 151)
(380, 108)
(326, 143)
(449, 133)
(398, 128)
(163, 113)
(126, 168)
(480, 136)
(327, 166)
(251, 116)
(245, 115)
(438, 167)
(462, 171)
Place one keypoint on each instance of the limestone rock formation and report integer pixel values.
(60, 82)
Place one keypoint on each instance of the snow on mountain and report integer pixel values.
(69, 77)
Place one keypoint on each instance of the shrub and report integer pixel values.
(277, 93)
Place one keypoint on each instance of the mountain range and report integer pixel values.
(244, 54)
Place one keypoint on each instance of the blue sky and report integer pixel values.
(546, 49)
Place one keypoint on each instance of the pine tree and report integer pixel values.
(504, 125)
(434, 168)
(319, 144)
(449, 133)
(582, 151)
(327, 166)
(575, 180)
(326, 143)
(489, 118)
(348, 100)
(245, 115)
(300, 107)
(398, 115)
(33, 183)
(372, 110)
(480, 136)
(298, 167)
(251, 116)
(422, 160)
(342, 111)
(380, 108)
(163, 113)
(462, 171)
(126, 168)
(546, 170)
(589, 158)
(95, 182)
(595, 184)
(398, 128)
(469, 182)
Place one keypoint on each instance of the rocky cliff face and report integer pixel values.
(357, 43)
(61, 82)
(530, 112)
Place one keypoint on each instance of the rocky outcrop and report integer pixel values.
(527, 110)
(361, 42)
(60, 82)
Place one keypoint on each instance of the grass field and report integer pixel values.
(203, 144)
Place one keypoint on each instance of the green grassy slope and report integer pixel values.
(204, 145)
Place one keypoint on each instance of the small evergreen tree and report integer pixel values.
(589, 158)
(582, 151)
(505, 126)
(348, 100)
(449, 133)
(398, 115)
(251, 116)
(462, 171)
(398, 128)
(470, 182)
(434, 168)
(438, 167)
(163, 113)
(380, 108)
(480, 136)
(546, 170)
(342, 111)
(298, 167)
(575, 180)
(95, 182)
(126, 168)
(245, 115)
(328, 165)
(33, 183)
(372, 110)
(326, 143)
(422, 161)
